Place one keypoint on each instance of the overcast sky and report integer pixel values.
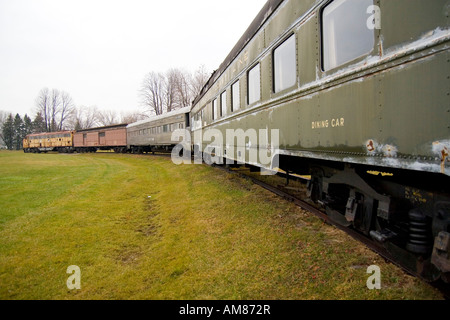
(100, 50)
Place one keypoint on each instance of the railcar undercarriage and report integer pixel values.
(406, 212)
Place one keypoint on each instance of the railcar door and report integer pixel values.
(101, 138)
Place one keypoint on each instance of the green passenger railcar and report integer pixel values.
(357, 95)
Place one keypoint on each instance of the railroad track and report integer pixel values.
(443, 288)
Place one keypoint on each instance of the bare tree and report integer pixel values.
(132, 117)
(84, 118)
(67, 110)
(3, 116)
(199, 80)
(55, 104)
(43, 106)
(172, 90)
(152, 92)
(107, 117)
(181, 86)
(55, 107)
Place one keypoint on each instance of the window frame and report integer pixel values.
(233, 107)
(284, 41)
(322, 42)
(223, 108)
(258, 64)
(215, 114)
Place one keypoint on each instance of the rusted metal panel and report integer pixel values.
(92, 139)
(117, 137)
(78, 140)
(50, 140)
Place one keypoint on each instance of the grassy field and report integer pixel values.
(140, 227)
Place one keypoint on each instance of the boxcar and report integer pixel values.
(358, 91)
(155, 134)
(50, 141)
(104, 138)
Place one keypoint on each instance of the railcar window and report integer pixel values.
(214, 109)
(254, 84)
(285, 65)
(223, 104)
(235, 97)
(345, 32)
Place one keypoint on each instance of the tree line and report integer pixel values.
(55, 110)
(14, 129)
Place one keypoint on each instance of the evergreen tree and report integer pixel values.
(8, 132)
(27, 126)
(78, 125)
(39, 124)
(18, 132)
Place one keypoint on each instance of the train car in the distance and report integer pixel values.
(112, 137)
(49, 141)
(155, 134)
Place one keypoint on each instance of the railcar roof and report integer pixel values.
(163, 116)
(47, 133)
(258, 22)
(115, 126)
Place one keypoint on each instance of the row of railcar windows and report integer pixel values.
(346, 36)
(157, 130)
(50, 136)
(285, 76)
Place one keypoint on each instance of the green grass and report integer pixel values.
(140, 227)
